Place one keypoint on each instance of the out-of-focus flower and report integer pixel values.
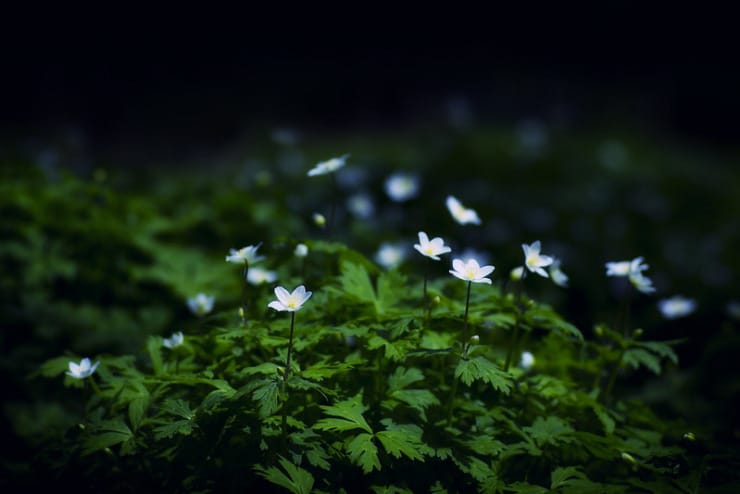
(402, 186)
(328, 166)
(201, 304)
(290, 302)
(558, 277)
(471, 271)
(319, 220)
(258, 276)
(517, 273)
(526, 361)
(174, 341)
(246, 254)
(83, 369)
(534, 261)
(733, 309)
(361, 205)
(460, 213)
(642, 283)
(632, 269)
(390, 255)
(301, 250)
(431, 248)
(677, 306)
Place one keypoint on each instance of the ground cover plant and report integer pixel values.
(294, 332)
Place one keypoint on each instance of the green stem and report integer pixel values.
(510, 353)
(245, 289)
(334, 194)
(451, 402)
(425, 301)
(465, 320)
(624, 312)
(94, 386)
(290, 346)
(517, 322)
(613, 376)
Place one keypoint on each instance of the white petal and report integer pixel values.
(306, 297)
(458, 265)
(277, 306)
(299, 292)
(423, 239)
(456, 274)
(282, 294)
(485, 271)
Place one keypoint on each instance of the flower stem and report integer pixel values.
(425, 301)
(94, 386)
(245, 288)
(465, 320)
(290, 346)
(520, 311)
(624, 312)
(333, 207)
(613, 376)
(451, 402)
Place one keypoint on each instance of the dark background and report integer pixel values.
(145, 87)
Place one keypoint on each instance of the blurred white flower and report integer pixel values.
(471, 271)
(431, 248)
(201, 304)
(390, 255)
(301, 250)
(633, 269)
(83, 369)
(642, 283)
(319, 220)
(558, 277)
(677, 306)
(246, 254)
(289, 301)
(361, 205)
(526, 361)
(174, 341)
(328, 166)
(258, 276)
(533, 260)
(402, 186)
(517, 273)
(460, 213)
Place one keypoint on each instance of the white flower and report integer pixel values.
(361, 205)
(258, 276)
(633, 269)
(201, 304)
(390, 255)
(328, 166)
(534, 261)
(460, 213)
(675, 307)
(642, 283)
(527, 360)
(83, 369)
(174, 341)
(402, 186)
(319, 220)
(301, 250)
(431, 248)
(289, 301)
(246, 254)
(471, 271)
(517, 273)
(558, 277)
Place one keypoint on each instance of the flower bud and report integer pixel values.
(629, 458)
(517, 273)
(637, 333)
(475, 339)
(689, 436)
(436, 300)
(241, 312)
(301, 250)
(319, 220)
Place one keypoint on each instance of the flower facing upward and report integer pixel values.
(558, 277)
(83, 369)
(201, 304)
(258, 276)
(675, 307)
(460, 213)
(471, 271)
(174, 341)
(328, 166)
(246, 254)
(431, 248)
(289, 301)
(534, 261)
(390, 255)
(402, 186)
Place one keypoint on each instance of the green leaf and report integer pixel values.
(392, 288)
(636, 357)
(402, 377)
(526, 488)
(560, 476)
(349, 413)
(184, 427)
(480, 368)
(603, 415)
(180, 408)
(661, 348)
(363, 452)
(394, 350)
(298, 480)
(154, 347)
(485, 445)
(137, 409)
(550, 430)
(267, 394)
(402, 439)
(356, 283)
(105, 435)
(54, 367)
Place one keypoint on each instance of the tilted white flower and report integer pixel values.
(558, 277)
(460, 213)
(471, 271)
(246, 254)
(526, 361)
(390, 255)
(174, 341)
(328, 166)
(258, 276)
(83, 369)
(677, 306)
(632, 269)
(301, 250)
(289, 301)
(534, 261)
(431, 248)
(402, 186)
(201, 304)
(642, 283)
